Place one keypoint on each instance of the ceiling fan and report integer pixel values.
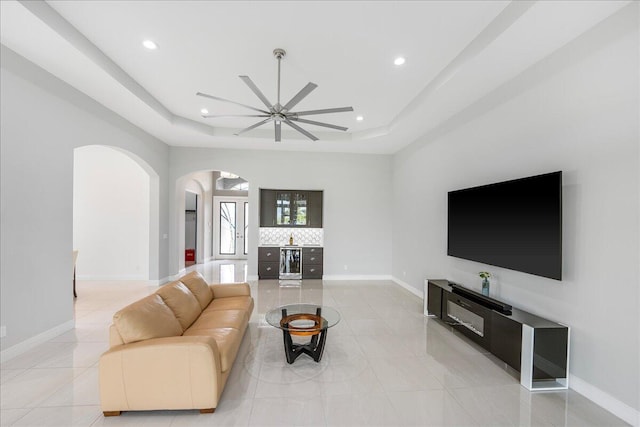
(278, 113)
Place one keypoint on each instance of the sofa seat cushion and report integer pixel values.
(182, 302)
(228, 340)
(145, 319)
(232, 303)
(198, 287)
(220, 319)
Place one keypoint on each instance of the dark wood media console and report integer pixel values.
(536, 347)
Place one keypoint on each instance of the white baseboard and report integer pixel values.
(253, 277)
(416, 292)
(162, 281)
(32, 342)
(356, 277)
(604, 399)
(90, 277)
(170, 278)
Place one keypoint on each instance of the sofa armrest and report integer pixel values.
(230, 290)
(180, 372)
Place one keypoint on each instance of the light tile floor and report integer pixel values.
(385, 364)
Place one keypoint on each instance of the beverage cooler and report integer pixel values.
(291, 263)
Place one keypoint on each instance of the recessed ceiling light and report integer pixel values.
(359, 118)
(399, 60)
(150, 44)
(204, 111)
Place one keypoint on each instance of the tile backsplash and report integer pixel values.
(301, 236)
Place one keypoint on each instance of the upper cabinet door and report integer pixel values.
(314, 211)
(284, 209)
(267, 208)
(290, 208)
(300, 208)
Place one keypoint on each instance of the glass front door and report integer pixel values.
(231, 220)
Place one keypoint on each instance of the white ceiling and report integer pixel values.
(456, 51)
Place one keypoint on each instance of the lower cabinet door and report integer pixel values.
(268, 270)
(312, 271)
(434, 300)
(506, 340)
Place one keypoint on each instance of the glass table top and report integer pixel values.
(303, 317)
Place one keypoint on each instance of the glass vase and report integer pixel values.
(485, 287)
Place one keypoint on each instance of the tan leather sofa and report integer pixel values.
(174, 349)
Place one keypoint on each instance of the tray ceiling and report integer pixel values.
(456, 53)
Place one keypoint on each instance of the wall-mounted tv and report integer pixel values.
(513, 224)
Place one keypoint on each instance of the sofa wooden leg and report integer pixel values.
(112, 413)
(207, 411)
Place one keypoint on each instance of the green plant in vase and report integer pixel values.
(485, 282)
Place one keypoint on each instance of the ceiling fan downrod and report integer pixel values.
(279, 54)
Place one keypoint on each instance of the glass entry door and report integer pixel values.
(231, 221)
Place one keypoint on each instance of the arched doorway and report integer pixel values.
(115, 215)
(222, 214)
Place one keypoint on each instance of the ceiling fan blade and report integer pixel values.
(204, 95)
(300, 96)
(325, 111)
(278, 126)
(213, 116)
(253, 126)
(312, 122)
(299, 129)
(257, 91)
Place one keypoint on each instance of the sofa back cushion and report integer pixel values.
(147, 318)
(182, 302)
(199, 287)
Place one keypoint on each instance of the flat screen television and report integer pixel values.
(513, 224)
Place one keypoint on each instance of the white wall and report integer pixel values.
(43, 121)
(357, 193)
(110, 215)
(576, 111)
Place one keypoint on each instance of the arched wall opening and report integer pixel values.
(203, 184)
(115, 215)
(201, 190)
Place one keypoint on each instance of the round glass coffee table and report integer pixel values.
(303, 320)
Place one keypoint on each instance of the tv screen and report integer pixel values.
(513, 224)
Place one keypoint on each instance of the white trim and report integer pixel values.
(110, 278)
(34, 341)
(162, 281)
(416, 292)
(355, 277)
(526, 357)
(252, 277)
(167, 279)
(605, 400)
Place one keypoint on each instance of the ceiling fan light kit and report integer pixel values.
(278, 113)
